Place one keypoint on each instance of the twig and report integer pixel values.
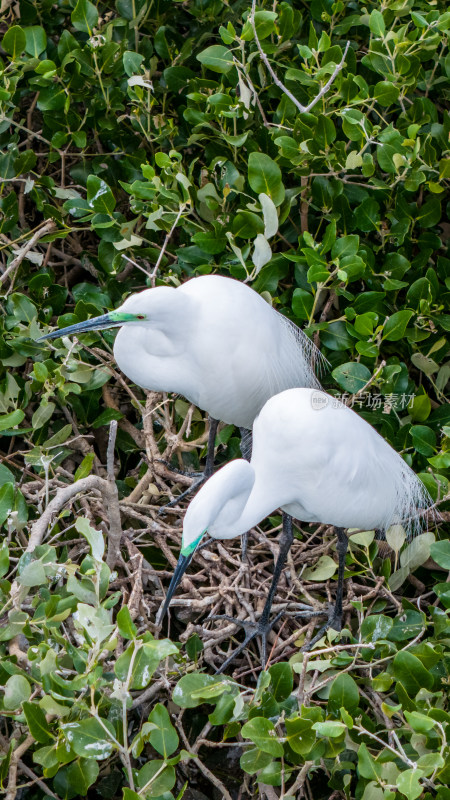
(62, 496)
(366, 385)
(303, 109)
(165, 243)
(46, 228)
(32, 775)
(112, 497)
(14, 763)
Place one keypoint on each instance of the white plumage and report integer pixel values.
(318, 461)
(216, 342)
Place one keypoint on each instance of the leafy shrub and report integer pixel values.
(144, 144)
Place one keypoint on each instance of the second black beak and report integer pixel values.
(180, 569)
(95, 324)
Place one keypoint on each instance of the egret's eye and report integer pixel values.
(140, 316)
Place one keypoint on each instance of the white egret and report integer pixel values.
(318, 461)
(213, 340)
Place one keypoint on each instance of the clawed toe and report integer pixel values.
(334, 621)
(261, 629)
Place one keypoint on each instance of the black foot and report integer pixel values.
(260, 628)
(334, 621)
(199, 479)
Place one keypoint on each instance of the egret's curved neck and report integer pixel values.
(244, 509)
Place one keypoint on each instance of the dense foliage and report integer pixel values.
(143, 143)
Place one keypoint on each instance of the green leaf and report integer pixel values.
(14, 41)
(36, 40)
(336, 336)
(127, 628)
(264, 24)
(351, 376)
(302, 303)
(420, 722)
(345, 246)
(344, 693)
(165, 738)
(264, 176)
(84, 16)
(424, 439)
(408, 783)
(331, 729)
(33, 574)
(6, 501)
(430, 213)
(385, 93)
(37, 723)
(210, 242)
(85, 467)
(4, 558)
(99, 196)
(17, 690)
(217, 58)
(12, 419)
(93, 537)
(182, 694)
(281, 681)
(254, 759)
(145, 661)
(300, 735)
(43, 414)
(156, 780)
(367, 767)
(411, 673)
(322, 571)
(76, 778)
(262, 732)
(420, 408)
(395, 326)
(440, 553)
(376, 23)
(90, 738)
(270, 215)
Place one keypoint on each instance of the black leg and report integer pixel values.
(335, 617)
(246, 450)
(246, 443)
(264, 624)
(199, 478)
(213, 424)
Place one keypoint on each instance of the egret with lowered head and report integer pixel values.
(213, 340)
(318, 461)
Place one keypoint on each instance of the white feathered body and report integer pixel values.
(216, 342)
(318, 461)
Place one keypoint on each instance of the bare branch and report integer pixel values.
(112, 499)
(303, 109)
(42, 231)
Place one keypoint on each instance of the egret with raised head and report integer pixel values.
(213, 340)
(318, 461)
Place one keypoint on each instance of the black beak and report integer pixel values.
(95, 324)
(180, 569)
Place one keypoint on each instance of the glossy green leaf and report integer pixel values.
(264, 176)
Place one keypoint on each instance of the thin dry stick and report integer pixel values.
(46, 228)
(166, 242)
(371, 380)
(303, 109)
(11, 791)
(112, 497)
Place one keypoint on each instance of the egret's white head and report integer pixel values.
(152, 306)
(218, 504)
